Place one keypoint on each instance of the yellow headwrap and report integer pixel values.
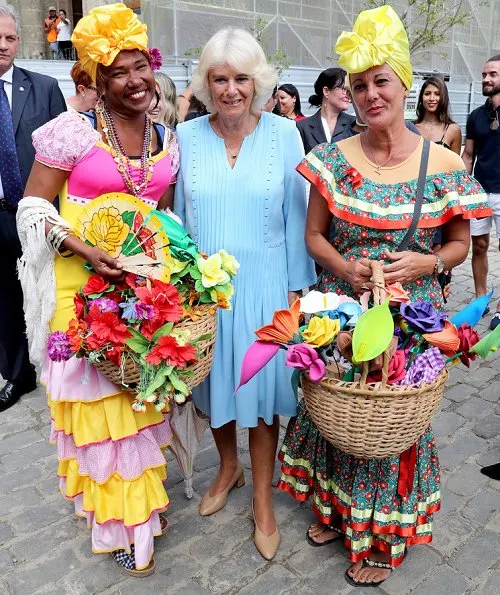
(104, 32)
(378, 37)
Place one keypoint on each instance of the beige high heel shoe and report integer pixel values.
(267, 545)
(211, 504)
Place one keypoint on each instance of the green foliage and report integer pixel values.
(262, 34)
(428, 22)
(193, 52)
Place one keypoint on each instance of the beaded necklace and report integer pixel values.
(124, 165)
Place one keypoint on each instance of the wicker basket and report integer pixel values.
(129, 374)
(372, 420)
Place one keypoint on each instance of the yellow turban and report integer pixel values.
(106, 31)
(378, 37)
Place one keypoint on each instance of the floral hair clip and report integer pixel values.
(155, 58)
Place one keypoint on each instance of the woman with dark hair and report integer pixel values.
(289, 102)
(329, 123)
(433, 115)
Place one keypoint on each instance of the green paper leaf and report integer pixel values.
(194, 271)
(156, 383)
(166, 329)
(179, 386)
(213, 295)
(137, 335)
(373, 333)
(204, 337)
(349, 375)
(199, 286)
(131, 245)
(206, 298)
(487, 344)
(138, 346)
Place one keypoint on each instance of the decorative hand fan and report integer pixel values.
(125, 228)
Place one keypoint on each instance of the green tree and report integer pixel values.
(428, 22)
(262, 34)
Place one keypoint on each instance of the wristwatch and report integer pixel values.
(439, 266)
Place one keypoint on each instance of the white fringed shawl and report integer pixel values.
(36, 271)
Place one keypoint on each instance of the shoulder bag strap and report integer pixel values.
(422, 174)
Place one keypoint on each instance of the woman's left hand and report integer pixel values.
(293, 295)
(407, 266)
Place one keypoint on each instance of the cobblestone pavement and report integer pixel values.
(45, 549)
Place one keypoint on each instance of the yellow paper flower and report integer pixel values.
(229, 263)
(211, 271)
(103, 33)
(224, 297)
(321, 331)
(106, 230)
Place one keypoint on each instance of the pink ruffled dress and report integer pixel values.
(111, 463)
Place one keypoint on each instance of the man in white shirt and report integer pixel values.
(27, 101)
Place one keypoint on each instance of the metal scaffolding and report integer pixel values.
(307, 30)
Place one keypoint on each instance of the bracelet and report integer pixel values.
(55, 237)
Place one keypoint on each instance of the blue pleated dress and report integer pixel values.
(256, 211)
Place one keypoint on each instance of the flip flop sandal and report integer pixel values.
(311, 541)
(163, 524)
(127, 562)
(371, 564)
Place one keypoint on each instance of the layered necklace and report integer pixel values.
(377, 167)
(123, 163)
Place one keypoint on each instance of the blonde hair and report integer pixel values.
(239, 49)
(168, 97)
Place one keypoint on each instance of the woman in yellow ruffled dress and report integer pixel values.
(111, 463)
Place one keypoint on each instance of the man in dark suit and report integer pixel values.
(27, 101)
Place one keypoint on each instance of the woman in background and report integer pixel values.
(289, 102)
(433, 115)
(163, 108)
(330, 123)
(85, 97)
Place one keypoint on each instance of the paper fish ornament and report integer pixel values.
(373, 333)
(473, 312)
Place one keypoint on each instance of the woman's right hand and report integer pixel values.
(358, 274)
(105, 265)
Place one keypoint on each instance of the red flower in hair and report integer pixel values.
(169, 351)
(155, 58)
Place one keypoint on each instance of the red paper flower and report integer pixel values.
(76, 334)
(396, 372)
(95, 284)
(354, 177)
(468, 338)
(79, 305)
(107, 327)
(166, 301)
(169, 351)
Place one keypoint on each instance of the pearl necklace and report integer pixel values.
(124, 165)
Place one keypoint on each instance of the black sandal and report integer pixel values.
(311, 541)
(372, 564)
(127, 562)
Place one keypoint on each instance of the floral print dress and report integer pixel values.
(357, 496)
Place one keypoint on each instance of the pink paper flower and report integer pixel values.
(155, 58)
(304, 357)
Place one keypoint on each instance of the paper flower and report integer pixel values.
(446, 340)
(304, 357)
(468, 338)
(397, 294)
(256, 357)
(425, 368)
(95, 285)
(422, 317)
(106, 230)
(316, 301)
(321, 331)
(229, 263)
(169, 351)
(211, 270)
(487, 344)
(58, 347)
(284, 326)
(155, 58)
(396, 370)
(104, 304)
(135, 310)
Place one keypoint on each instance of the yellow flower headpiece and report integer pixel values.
(378, 37)
(106, 31)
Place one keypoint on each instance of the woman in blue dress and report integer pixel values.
(237, 188)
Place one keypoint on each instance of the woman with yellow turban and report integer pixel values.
(367, 185)
(111, 463)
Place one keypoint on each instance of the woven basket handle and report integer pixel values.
(379, 297)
